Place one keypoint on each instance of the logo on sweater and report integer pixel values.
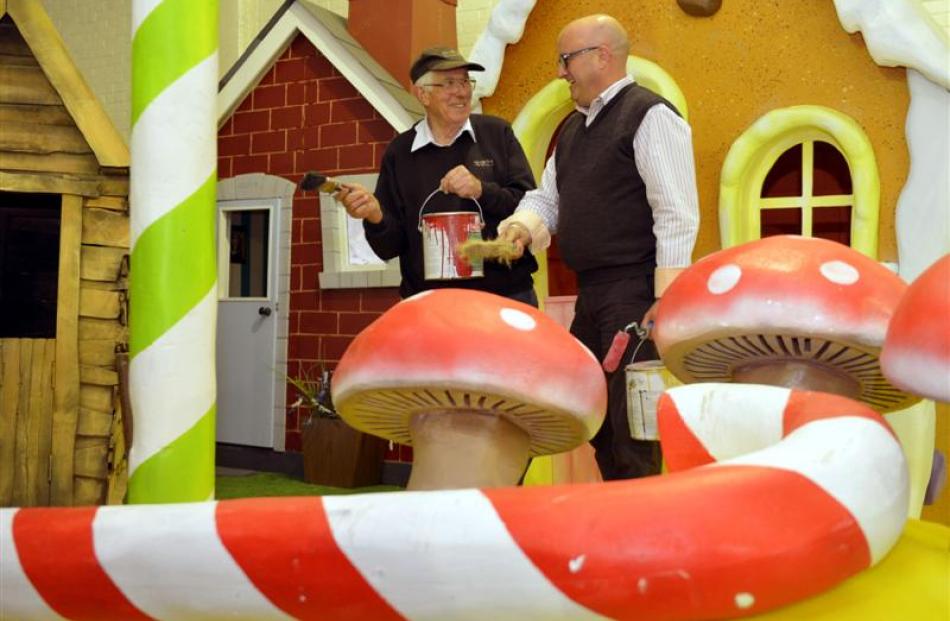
(483, 163)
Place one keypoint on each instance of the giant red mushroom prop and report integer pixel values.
(787, 311)
(476, 383)
(916, 353)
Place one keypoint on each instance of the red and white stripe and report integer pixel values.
(797, 491)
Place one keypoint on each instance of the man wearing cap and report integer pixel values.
(620, 191)
(469, 157)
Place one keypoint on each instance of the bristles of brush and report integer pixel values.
(315, 181)
(498, 250)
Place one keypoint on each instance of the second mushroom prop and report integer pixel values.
(786, 310)
(474, 382)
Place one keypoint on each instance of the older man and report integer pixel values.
(620, 191)
(467, 156)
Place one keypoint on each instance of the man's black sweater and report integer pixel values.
(406, 178)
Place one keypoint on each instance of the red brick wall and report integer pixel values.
(305, 116)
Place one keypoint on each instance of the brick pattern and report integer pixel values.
(305, 116)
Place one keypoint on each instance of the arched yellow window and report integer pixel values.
(805, 170)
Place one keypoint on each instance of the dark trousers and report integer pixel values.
(528, 296)
(600, 311)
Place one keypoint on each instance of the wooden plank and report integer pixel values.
(96, 397)
(115, 203)
(97, 352)
(50, 50)
(9, 398)
(21, 468)
(23, 61)
(92, 457)
(95, 423)
(89, 491)
(105, 228)
(41, 421)
(52, 163)
(91, 329)
(42, 115)
(48, 183)
(98, 285)
(66, 396)
(102, 262)
(115, 185)
(34, 138)
(101, 304)
(98, 376)
(26, 85)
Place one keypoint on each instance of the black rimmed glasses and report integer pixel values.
(451, 85)
(565, 58)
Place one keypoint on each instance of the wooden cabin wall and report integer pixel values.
(59, 406)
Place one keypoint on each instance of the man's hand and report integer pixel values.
(649, 319)
(461, 182)
(518, 235)
(359, 202)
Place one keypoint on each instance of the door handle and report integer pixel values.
(264, 311)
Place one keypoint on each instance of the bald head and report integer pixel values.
(600, 30)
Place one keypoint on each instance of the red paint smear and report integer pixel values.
(287, 550)
(57, 553)
(698, 538)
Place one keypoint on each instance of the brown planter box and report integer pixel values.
(335, 454)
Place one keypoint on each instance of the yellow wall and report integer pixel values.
(748, 59)
(940, 511)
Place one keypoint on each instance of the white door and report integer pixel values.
(247, 320)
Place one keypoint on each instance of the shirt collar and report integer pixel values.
(424, 134)
(603, 99)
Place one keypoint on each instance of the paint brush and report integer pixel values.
(498, 249)
(321, 183)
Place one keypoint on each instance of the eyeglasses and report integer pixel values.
(451, 85)
(565, 58)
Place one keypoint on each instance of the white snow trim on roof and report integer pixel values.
(897, 33)
(505, 26)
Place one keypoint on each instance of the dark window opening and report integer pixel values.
(832, 174)
(787, 221)
(29, 264)
(785, 177)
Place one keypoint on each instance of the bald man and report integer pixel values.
(620, 192)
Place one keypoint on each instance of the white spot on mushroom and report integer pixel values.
(575, 564)
(724, 278)
(519, 320)
(418, 296)
(744, 601)
(642, 584)
(840, 272)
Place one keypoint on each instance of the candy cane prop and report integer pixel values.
(173, 287)
(802, 490)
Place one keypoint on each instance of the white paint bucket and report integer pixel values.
(442, 233)
(646, 380)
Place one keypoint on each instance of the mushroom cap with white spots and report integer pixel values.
(782, 298)
(459, 349)
(916, 353)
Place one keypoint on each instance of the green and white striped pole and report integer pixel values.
(173, 279)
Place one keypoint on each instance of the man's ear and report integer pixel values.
(421, 94)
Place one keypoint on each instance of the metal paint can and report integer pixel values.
(646, 380)
(442, 234)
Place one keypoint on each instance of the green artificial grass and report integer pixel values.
(272, 484)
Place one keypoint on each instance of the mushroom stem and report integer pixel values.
(466, 448)
(800, 375)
